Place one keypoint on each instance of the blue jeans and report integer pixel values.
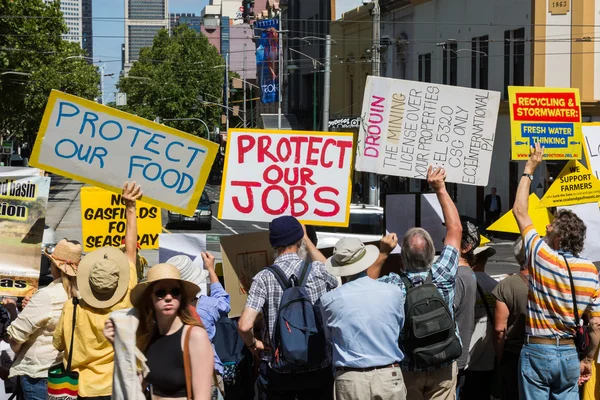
(34, 388)
(548, 371)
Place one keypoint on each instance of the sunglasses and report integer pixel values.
(162, 293)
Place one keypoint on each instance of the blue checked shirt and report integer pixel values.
(265, 294)
(443, 273)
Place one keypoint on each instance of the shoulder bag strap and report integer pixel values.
(187, 364)
(488, 310)
(280, 276)
(75, 302)
(575, 311)
(305, 272)
(407, 282)
(525, 280)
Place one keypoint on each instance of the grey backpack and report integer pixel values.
(430, 338)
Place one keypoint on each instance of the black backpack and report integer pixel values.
(429, 331)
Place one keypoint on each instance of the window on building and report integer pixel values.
(479, 62)
(450, 67)
(425, 67)
(514, 59)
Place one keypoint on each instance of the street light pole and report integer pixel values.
(280, 68)
(227, 93)
(244, 69)
(327, 84)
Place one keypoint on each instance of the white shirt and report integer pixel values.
(34, 327)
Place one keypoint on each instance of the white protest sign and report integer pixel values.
(591, 138)
(272, 173)
(105, 147)
(408, 126)
(590, 215)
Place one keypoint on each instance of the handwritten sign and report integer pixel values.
(103, 220)
(551, 117)
(272, 173)
(243, 257)
(408, 126)
(105, 147)
(23, 201)
(591, 137)
(574, 185)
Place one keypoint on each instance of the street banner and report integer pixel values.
(270, 173)
(104, 147)
(267, 59)
(540, 216)
(103, 220)
(408, 126)
(574, 185)
(549, 116)
(243, 257)
(591, 138)
(23, 202)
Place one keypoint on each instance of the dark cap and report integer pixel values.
(285, 231)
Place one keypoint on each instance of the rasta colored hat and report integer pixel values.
(161, 272)
(66, 256)
(103, 277)
(351, 257)
(285, 231)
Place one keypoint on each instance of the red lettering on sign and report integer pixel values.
(264, 142)
(266, 207)
(306, 176)
(326, 164)
(273, 181)
(298, 199)
(243, 149)
(236, 202)
(313, 151)
(344, 146)
(333, 203)
(298, 140)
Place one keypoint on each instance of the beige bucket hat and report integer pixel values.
(103, 277)
(351, 257)
(161, 272)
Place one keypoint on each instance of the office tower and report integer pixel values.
(143, 19)
(189, 19)
(78, 17)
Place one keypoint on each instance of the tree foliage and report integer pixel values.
(31, 43)
(181, 70)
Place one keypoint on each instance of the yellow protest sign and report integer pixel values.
(541, 217)
(575, 185)
(549, 116)
(103, 220)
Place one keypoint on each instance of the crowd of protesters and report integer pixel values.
(343, 327)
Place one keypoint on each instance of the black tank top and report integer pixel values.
(165, 360)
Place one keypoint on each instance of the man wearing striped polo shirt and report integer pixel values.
(550, 367)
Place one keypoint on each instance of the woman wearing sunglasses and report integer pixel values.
(166, 323)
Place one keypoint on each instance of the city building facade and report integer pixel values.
(77, 15)
(143, 19)
(189, 19)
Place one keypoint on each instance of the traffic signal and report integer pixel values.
(248, 13)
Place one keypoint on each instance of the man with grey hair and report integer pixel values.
(417, 256)
(509, 326)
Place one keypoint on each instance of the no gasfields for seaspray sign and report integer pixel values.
(273, 173)
(408, 126)
(106, 147)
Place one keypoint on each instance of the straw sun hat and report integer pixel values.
(65, 256)
(161, 272)
(103, 277)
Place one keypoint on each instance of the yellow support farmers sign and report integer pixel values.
(575, 185)
(551, 117)
(540, 217)
(103, 220)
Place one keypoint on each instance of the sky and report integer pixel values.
(109, 34)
